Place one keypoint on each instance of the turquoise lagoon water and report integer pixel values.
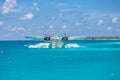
(97, 60)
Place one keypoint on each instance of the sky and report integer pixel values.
(73, 17)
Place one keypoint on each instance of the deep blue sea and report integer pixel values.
(97, 60)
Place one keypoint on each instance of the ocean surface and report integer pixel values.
(92, 60)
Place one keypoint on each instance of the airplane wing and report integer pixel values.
(34, 37)
(77, 38)
(42, 38)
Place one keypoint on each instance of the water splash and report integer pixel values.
(40, 45)
(48, 45)
(73, 45)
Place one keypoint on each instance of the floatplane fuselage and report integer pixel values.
(55, 41)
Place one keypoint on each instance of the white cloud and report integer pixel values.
(109, 28)
(27, 16)
(35, 6)
(8, 6)
(118, 30)
(15, 29)
(78, 23)
(57, 4)
(100, 22)
(64, 27)
(51, 27)
(1, 23)
(61, 4)
(20, 28)
(59, 16)
(115, 20)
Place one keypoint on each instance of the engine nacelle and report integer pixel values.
(64, 38)
(47, 38)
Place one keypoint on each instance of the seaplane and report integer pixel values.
(54, 41)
